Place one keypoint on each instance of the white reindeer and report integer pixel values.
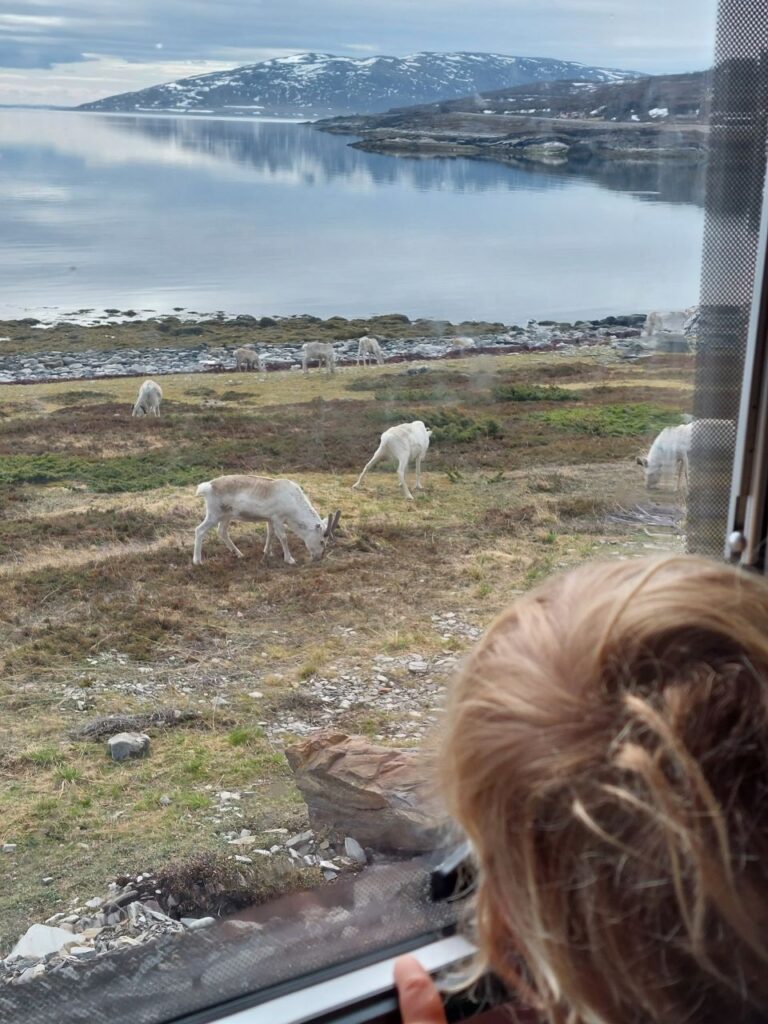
(279, 503)
(148, 400)
(667, 455)
(246, 358)
(322, 351)
(368, 347)
(404, 442)
(671, 449)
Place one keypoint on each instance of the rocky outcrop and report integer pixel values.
(378, 794)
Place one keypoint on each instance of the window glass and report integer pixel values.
(242, 247)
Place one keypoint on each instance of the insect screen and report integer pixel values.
(735, 177)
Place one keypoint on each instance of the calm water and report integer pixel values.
(150, 213)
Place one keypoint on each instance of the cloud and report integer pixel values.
(29, 21)
(361, 47)
(46, 34)
(73, 83)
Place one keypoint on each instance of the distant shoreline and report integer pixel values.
(522, 141)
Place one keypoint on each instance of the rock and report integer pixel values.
(9, 847)
(418, 667)
(30, 974)
(123, 899)
(39, 940)
(128, 744)
(193, 923)
(94, 903)
(377, 793)
(48, 880)
(300, 839)
(165, 800)
(82, 952)
(354, 851)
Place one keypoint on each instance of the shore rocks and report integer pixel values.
(201, 358)
(378, 794)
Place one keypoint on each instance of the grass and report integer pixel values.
(104, 614)
(630, 420)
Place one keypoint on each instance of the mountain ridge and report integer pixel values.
(311, 85)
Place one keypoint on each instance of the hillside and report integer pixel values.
(310, 85)
(549, 123)
(657, 99)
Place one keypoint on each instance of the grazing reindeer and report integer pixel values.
(148, 400)
(279, 503)
(369, 348)
(667, 455)
(246, 358)
(322, 351)
(671, 449)
(404, 442)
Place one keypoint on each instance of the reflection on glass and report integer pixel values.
(246, 739)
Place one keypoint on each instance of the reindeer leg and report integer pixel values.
(224, 535)
(377, 456)
(279, 531)
(207, 524)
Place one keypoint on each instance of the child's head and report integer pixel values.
(607, 754)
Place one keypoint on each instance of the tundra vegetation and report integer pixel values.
(104, 613)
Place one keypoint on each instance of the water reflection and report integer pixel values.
(284, 152)
(155, 212)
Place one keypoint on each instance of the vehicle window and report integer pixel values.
(321, 340)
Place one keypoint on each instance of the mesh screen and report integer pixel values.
(735, 173)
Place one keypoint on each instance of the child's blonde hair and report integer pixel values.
(607, 754)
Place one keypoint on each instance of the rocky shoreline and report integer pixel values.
(125, 360)
(523, 141)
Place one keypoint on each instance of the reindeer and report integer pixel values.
(279, 503)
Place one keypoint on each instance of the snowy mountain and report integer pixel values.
(310, 85)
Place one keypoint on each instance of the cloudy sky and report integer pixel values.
(69, 51)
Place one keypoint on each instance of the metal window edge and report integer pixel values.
(335, 995)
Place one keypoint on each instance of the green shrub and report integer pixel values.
(448, 426)
(630, 420)
(532, 393)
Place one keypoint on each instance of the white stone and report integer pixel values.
(354, 850)
(128, 744)
(41, 939)
(9, 847)
(200, 922)
(418, 667)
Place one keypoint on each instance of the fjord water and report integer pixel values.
(152, 213)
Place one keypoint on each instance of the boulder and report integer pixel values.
(128, 744)
(41, 939)
(377, 794)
